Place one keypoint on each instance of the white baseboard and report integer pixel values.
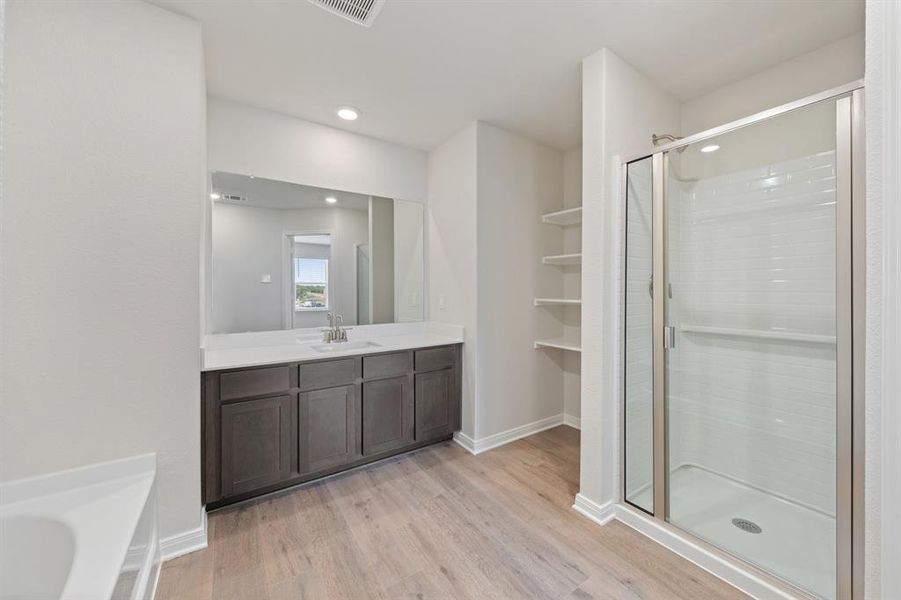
(599, 513)
(185, 543)
(467, 442)
(477, 446)
(571, 421)
(733, 574)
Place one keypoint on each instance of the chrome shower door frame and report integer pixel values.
(850, 337)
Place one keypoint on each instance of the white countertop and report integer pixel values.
(236, 350)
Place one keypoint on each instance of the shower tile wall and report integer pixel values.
(756, 254)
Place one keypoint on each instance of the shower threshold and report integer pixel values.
(795, 543)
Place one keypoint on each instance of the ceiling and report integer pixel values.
(427, 67)
(270, 193)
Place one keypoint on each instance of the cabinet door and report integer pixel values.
(327, 428)
(259, 443)
(434, 405)
(387, 414)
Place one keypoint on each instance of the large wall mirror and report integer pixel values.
(284, 255)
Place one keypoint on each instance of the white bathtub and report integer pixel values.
(86, 533)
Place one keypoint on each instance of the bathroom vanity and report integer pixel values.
(268, 427)
(285, 400)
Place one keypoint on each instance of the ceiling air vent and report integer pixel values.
(361, 12)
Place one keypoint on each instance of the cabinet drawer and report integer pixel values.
(328, 373)
(385, 365)
(254, 382)
(436, 358)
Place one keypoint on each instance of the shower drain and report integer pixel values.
(747, 526)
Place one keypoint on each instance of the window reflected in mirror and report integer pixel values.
(284, 255)
(310, 258)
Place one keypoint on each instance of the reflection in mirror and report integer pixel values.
(284, 255)
(310, 255)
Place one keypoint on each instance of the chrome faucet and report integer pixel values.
(335, 332)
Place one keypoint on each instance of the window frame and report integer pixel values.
(325, 283)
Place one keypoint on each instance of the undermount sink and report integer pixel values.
(340, 346)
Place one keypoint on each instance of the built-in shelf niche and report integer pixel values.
(564, 218)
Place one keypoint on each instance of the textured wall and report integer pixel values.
(103, 166)
(518, 180)
(883, 379)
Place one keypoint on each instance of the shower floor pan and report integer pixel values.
(795, 543)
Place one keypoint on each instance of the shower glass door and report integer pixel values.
(750, 359)
(638, 421)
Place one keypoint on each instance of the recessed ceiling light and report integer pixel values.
(710, 148)
(331, 200)
(214, 196)
(348, 113)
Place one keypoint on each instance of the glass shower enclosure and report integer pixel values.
(738, 334)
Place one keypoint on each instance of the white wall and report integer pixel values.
(883, 348)
(381, 259)
(250, 241)
(572, 285)
(487, 191)
(408, 261)
(821, 69)
(103, 166)
(621, 109)
(518, 181)
(452, 244)
(248, 140)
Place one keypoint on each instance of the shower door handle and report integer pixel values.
(669, 288)
(669, 337)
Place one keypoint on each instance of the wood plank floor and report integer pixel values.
(437, 523)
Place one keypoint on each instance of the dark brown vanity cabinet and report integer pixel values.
(266, 428)
(328, 429)
(258, 447)
(387, 414)
(434, 404)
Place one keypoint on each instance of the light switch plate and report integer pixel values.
(266, 278)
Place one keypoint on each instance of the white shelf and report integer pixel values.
(557, 302)
(560, 343)
(761, 334)
(570, 216)
(563, 259)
